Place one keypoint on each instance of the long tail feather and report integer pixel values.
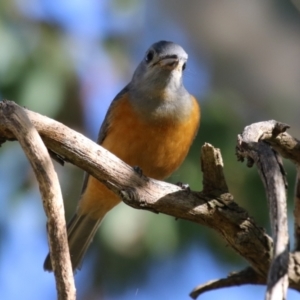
(81, 231)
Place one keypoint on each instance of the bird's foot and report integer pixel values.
(184, 186)
(138, 170)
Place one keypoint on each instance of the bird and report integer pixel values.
(151, 124)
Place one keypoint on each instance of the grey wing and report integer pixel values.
(105, 125)
(103, 130)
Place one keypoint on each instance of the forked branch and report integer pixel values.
(213, 207)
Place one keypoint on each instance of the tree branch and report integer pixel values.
(212, 169)
(297, 210)
(287, 146)
(216, 210)
(213, 207)
(272, 174)
(246, 276)
(16, 121)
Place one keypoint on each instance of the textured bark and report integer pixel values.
(214, 207)
(297, 211)
(271, 171)
(247, 276)
(14, 119)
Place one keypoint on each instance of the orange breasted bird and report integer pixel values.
(151, 124)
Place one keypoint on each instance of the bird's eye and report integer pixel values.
(183, 66)
(149, 56)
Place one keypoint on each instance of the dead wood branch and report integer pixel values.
(297, 210)
(247, 276)
(15, 119)
(213, 207)
(216, 210)
(272, 174)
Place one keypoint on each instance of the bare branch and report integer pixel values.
(246, 276)
(213, 208)
(273, 176)
(286, 145)
(212, 168)
(297, 210)
(217, 211)
(16, 120)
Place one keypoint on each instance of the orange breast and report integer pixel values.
(157, 148)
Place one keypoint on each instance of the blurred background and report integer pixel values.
(68, 59)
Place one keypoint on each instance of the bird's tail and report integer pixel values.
(81, 231)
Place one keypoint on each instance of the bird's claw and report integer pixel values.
(138, 170)
(184, 186)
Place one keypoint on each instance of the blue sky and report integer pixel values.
(84, 23)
